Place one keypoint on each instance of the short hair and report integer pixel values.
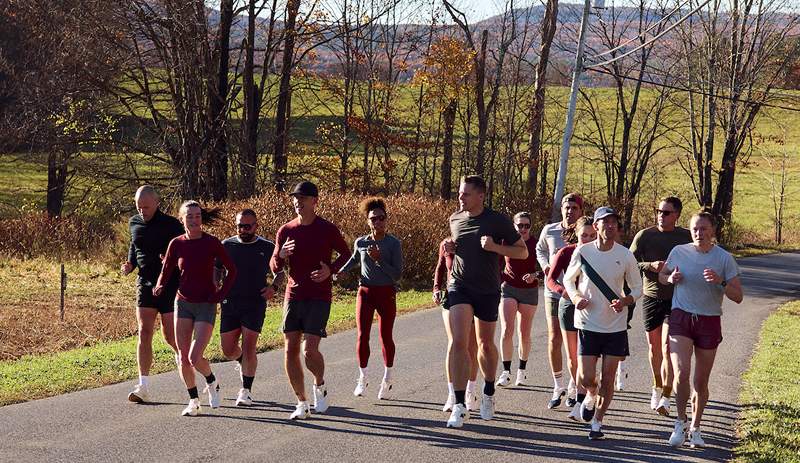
(247, 211)
(370, 204)
(146, 190)
(522, 215)
(476, 181)
(705, 213)
(675, 201)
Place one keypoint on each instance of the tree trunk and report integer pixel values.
(480, 104)
(217, 165)
(279, 156)
(57, 169)
(447, 155)
(252, 101)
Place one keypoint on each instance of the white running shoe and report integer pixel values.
(663, 406)
(487, 407)
(139, 394)
(213, 394)
(243, 399)
(451, 400)
(192, 409)
(472, 400)
(622, 376)
(596, 431)
(361, 386)
(320, 399)
(654, 398)
(678, 436)
(385, 390)
(572, 392)
(587, 408)
(522, 378)
(555, 400)
(575, 413)
(504, 379)
(695, 439)
(457, 416)
(301, 411)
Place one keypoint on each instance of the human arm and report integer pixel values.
(558, 264)
(130, 264)
(729, 277)
(670, 273)
(571, 275)
(543, 251)
(169, 262)
(276, 263)
(354, 261)
(230, 272)
(393, 265)
(633, 278)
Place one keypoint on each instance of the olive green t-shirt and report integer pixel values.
(650, 245)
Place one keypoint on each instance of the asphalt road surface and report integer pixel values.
(100, 425)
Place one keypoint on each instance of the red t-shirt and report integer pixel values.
(195, 260)
(515, 269)
(314, 243)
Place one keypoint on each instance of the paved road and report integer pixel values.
(99, 425)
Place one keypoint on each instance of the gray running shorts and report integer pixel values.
(528, 296)
(197, 311)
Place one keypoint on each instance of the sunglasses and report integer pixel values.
(663, 212)
(245, 226)
(377, 218)
(522, 225)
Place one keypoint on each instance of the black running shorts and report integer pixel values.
(247, 313)
(655, 312)
(599, 344)
(309, 316)
(484, 306)
(165, 303)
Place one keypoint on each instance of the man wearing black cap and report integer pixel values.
(601, 269)
(307, 243)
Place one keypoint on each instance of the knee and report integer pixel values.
(292, 350)
(146, 331)
(229, 352)
(508, 333)
(194, 358)
(310, 352)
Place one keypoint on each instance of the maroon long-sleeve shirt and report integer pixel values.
(195, 260)
(558, 265)
(443, 267)
(314, 243)
(515, 269)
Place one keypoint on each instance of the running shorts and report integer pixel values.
(238, 313)
(165, 303)
(528, 296)
(566, 314)
(484, 306)
(599, 344)
(704, 330)
(308, 315)
(197, 311)
(655, 312)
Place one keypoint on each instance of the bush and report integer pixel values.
(36, 234)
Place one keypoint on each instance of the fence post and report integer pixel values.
(63, 289)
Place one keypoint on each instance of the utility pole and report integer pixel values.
(570, 124)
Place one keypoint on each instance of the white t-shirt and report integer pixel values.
(693, 293)
(616, 267)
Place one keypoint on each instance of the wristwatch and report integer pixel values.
(724, 283)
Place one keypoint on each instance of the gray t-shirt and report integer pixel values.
(473, 267)
(387, 271)
(550, 241)
(694, 294)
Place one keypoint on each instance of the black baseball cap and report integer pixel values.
(306, 189)
(603, 212)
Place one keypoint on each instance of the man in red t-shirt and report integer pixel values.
(306, 244)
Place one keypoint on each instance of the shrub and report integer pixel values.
(36, 234)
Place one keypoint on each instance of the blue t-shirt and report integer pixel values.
(693, 293)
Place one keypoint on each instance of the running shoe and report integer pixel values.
(213, 394)
(301, 411)
(596, 433)
(655, 396)
(451, 400)
(587, 408)
(555, 401)
(457, 416)
(678, 436)
(139, 394)
(361, 386)
(192, 409)
(622, 376)
(522, 378)
(504, 379)
(487, 407)
(243, 399)
(695, 439)
(472, 400)
(663, 406)
(572, 392)
(320, 399)
(575, 413)
(385, 390)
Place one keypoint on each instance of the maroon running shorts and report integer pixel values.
(704, 330)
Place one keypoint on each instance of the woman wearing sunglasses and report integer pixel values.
(519, 294)
(381, 259)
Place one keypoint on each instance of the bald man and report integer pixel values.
(151, 232)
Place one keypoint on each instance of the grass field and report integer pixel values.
(769, 426)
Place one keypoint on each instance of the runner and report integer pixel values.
(243, 311)
(381, 259)
(578, 234)
(473, 291)
(550, 241)
(651, 247)
(306, 243)
(444, 266)
(702, 273)
(194, 254)
(519, 293)
(151, 231)
(600, 314)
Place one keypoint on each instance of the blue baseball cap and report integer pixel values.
(603, 212)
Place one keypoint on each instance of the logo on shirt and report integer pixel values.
(618, 262)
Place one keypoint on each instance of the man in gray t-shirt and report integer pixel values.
(478, 237)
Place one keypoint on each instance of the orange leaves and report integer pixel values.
(447, 65)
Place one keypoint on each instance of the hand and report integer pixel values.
(157, 290)
(487, 243)
(675, 277)
(449, 246)
(582, 303)
(617, 305)
(318, 276)
(712, 277)
(374, 252)
(437, 297)
(268, 292)
(126, 268)
(657, 266)
(547, 270)
(529, 278)
(287, 249)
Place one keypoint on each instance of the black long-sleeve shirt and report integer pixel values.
(149, 241)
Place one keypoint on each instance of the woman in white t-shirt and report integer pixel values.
(703, 273)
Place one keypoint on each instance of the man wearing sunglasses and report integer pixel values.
(244, 309)
(651, 247)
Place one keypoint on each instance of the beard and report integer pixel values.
(247, 237)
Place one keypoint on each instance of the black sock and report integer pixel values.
(488, 386)
(240, 358)
(580, 397)
(210, 378)
(460, 397)
(522, 364)
(507, 365)
(192, 393)
(247, 382)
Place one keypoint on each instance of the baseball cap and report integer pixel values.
(574, 197)
(603, 212)
(306, 189)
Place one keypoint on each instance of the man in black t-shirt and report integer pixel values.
(474, 289)
(151, 231)
(244, 309)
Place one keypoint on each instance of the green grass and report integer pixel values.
(34, 377)
(770, 423)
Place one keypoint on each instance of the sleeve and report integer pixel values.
(394, 265)
(730, 268)
(440, 272)
(170, 261)
(571, 275)
(276, 264)
(558, 264)
(507, 232)
(672, 259)
(340, 246)
(355, 260)
(638, 253)
(218, 263)
(633, 277)
(542, 251)
(132, 254)
(230, 274)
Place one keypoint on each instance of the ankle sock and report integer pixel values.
(247, 382)
(210, 378)
(460, 397)
(488, 387)
(557, 375)
(193, 393)
(522, 364)
(507, 365)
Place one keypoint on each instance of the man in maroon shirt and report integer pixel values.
(306, 243)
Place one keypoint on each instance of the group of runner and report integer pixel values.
(488, 268)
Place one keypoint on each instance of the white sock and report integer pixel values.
(621, 365)
(557, 379)
(571, 383)
(450, 389)
(144, 380)
(387, 374)
(363, 372)
(471, 385)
